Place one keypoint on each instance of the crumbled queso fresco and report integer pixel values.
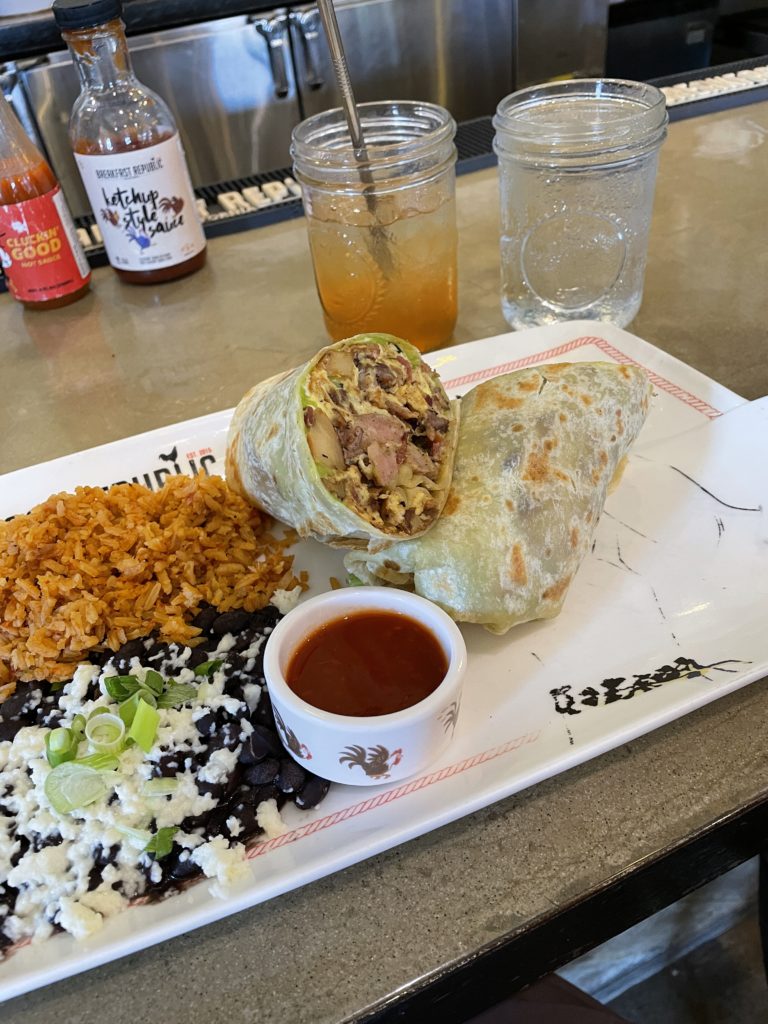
(227, 773)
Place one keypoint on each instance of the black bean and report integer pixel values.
(258, 794)
(313, 792)
(168, 766)
(226, 735)
(205, 617)
(104, 855)
(8, 729)
(261, 743)
(230, 622)
(216, 823)
(47, 711)
(267, 617)
(206, 724)
(158, 652)
(19, 709)
(264, 715)
(154, 888)
(234, 682)
(244, 640)
(216, 789)
(193, 822)
(23, 847)
(291, 777)
(40, 842)
(131, 649)
(197, 656)
(245, 815)
(100, 658)
(178, 866)
(263, 772)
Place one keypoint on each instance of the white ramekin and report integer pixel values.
(364, 751)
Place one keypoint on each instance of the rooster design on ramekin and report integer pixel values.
(290, 739)
(376, 762)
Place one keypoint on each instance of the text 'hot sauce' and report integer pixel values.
(368, 663)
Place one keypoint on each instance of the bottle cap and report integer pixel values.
(73, 14)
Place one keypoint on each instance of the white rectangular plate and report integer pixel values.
(666, 614)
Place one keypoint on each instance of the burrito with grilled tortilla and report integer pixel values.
(537, 450)
(354, 448)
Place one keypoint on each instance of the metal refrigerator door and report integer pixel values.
(229, 83)
(458, 53)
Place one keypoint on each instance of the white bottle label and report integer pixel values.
(144, 205)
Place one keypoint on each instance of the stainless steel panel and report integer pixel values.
(229, 83)
(560, 38)
(458, 53)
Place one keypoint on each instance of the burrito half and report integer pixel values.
(354, 448)
(537, 450)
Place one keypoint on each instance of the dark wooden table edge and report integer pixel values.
(493, 972)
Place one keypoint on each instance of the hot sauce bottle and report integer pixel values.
(129, 153)
(40, 253)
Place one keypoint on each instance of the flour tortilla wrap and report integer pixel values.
(355, 448)
(537, 450)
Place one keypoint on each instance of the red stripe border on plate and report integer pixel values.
(387, 796)
(606, 347)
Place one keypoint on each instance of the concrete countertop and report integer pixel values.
(127, 359)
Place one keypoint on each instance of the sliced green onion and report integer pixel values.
(61, 746)
(139, 837)
(78, 722)
(154, 682)
(144, 725)
(160, 787)
(105, 733)
(177, 693)
(161, 842)
(98, 711)
(208, 667)
(127, 709)
(71, 786)
(101, 762)
(121, 687)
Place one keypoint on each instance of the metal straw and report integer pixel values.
(379, 243)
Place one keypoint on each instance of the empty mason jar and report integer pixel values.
(382, 232)
(577, 170)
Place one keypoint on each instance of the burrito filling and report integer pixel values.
(376, 425)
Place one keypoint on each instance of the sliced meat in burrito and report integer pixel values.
(537, 450)
(355, 447)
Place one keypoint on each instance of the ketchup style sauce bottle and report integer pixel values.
(129, 153)
(44, 264)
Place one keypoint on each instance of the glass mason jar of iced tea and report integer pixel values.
(382, 229)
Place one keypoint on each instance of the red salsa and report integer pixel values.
(367, 663)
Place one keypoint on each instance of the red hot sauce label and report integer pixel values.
(39, 249)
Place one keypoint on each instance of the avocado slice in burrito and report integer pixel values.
(537, 451)
(354, 448)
